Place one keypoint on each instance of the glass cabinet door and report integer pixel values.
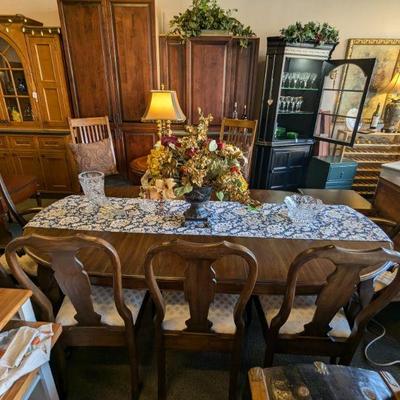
(344, 88)
(298, 98)
(13, 86)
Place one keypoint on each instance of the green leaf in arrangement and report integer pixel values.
(182, 190)
(220, 195)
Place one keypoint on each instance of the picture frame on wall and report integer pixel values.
(387, 55)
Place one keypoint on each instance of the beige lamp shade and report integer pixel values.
(394, 85)
(164, 106)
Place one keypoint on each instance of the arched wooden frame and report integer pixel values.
(26, 73)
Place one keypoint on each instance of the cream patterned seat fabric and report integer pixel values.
(27, 264)
(220, 312)
(302, 313)
(385, 279)
(104, 305)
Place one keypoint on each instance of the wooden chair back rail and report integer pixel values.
(200, 279)
(91, 130)
(12, 209)
(18, 216)
(241, 133)
(340, 287)
(69, 274)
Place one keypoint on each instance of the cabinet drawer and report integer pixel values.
(54, 143)
(22, 142)
(339, 184)
(342, 172)
(3, 142)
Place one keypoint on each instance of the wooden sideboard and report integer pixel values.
(210, 72)
(43, 154)
(110, 51)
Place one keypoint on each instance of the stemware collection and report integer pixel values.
(299, 80)
(290, 103)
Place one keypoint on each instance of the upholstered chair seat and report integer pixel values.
(302, 313)
(220, 312)
(104, 305)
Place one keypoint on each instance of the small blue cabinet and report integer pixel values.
(330, 173)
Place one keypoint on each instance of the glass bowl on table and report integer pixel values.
(302, 209)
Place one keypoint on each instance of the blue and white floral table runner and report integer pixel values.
(226, 219)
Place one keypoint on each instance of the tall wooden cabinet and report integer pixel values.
(210, 72)
(110, 50)
(34, 104)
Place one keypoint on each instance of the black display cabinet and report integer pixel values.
(306, 97)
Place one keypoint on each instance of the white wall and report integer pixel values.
(353, 18)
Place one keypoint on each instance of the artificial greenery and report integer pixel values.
(311, 32)
(208, 15)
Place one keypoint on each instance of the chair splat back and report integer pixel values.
(340, 286)
(89, 130)
(69, 273)
(200, 279)
(241, 133)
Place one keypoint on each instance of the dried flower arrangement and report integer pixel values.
(177, 165)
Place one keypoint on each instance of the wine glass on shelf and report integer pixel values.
(299, 103)
(313, 79)
(285, 80)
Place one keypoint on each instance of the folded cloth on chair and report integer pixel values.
(23, 350)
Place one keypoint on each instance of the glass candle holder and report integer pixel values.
(302, 209)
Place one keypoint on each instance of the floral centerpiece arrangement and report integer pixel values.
(180, 166)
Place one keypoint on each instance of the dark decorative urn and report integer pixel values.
(197, 199)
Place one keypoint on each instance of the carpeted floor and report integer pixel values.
(103, 373)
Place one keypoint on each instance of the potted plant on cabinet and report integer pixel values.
(207, 17)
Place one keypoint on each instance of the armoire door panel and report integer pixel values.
(132, 26)
(87, 54)
(173, 68)
(208, 63)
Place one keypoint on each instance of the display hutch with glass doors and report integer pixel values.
(34, 104)
(307, 97)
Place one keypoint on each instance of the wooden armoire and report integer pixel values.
(210, 72)
(110, 51)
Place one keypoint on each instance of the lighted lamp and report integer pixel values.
(391, 117)
(163, 108)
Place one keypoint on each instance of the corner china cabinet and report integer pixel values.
(306, 98)
(34, 106)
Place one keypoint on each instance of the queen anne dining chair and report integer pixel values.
(90, 315)
(241, 133)
(332, 322)
(199, 319)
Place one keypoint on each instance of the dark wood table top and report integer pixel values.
(274, 255)
(320, 381)
(341, 196)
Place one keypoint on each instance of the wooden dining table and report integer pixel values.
(274, 255)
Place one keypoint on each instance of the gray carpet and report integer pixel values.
(103, 373)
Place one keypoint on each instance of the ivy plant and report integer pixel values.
(311, 32)
(208, 15)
